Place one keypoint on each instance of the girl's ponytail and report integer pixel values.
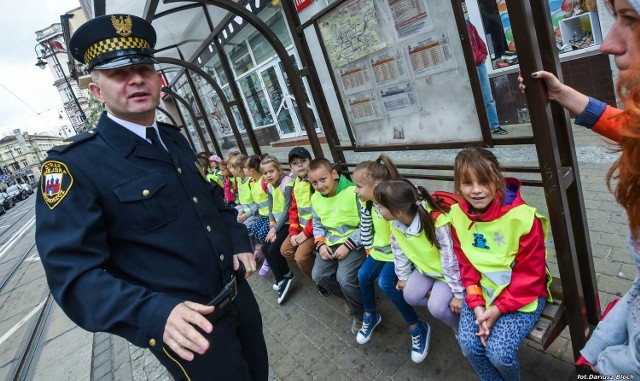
(426, 220)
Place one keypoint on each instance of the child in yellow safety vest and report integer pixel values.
(214, 175)
(335, 211)
(500, 244)
(279, 189)
(423, 257)
(298, 245)
(258, 188)
(246, 207)
(375, 232)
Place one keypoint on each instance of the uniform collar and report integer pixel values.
(125, 141)
(413, 229)
(137, 129)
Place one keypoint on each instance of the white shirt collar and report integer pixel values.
(413, 229)
(137, 129)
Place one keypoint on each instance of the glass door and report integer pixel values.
(281, 101)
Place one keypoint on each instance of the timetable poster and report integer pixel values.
(410, 17)
(431, 56)
(389, 67)
(364, 107)
(355, 77)
(399, 100)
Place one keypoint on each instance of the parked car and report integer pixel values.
(7, 195)
(6, 201)
(2, 209)
(26, 188)
(17, 192)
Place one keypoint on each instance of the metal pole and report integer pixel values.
(83, 117)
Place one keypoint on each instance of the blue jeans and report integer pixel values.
(384, 271)
(489, 103)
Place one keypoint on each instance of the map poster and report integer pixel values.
(399, 100)
(355, 77)
(351, 31)
(389, 67)
(364, 107)
(410, 17)
(431, 56)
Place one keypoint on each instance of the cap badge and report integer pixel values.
(55, 182)
(122, 26)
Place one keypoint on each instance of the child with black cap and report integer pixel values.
(299, 244)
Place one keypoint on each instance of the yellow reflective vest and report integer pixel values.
(260, 197)
(302, 193)
(277, 197)
(245, 198)
(493, 254)
(422, 253)
(381, 246)
(339, 214)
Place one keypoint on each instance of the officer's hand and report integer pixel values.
(180, 334)
(249, 262)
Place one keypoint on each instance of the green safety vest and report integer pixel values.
(492, 246)
(260, 197)
(213, 177)
(245, 198)
(381, 246)
(277, 196)
(339, 214)
(422, 253)
(302, 193)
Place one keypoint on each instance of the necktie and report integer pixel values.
(152, 135)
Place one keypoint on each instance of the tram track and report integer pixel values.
(29, 348)
(15, 267)
(10, 227)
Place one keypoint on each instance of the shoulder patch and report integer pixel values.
(55, 182)
(73, 141)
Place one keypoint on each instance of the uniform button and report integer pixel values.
(152, 342)
(221, 257)
(195, 199)
(145, 192)
(208, 228)
(179, 170)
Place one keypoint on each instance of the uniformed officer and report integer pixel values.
(140, 245)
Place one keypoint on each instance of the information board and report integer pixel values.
(400, 71)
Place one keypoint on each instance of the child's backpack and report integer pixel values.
(444, 200)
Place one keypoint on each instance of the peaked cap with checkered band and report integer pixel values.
(111, 41)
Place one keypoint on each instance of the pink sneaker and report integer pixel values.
(264, 270)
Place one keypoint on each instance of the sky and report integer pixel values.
(28, 99)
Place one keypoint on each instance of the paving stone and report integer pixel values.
(284, 365)
(389, 362)
(322, 369)
(613, 285)
(627, 271)
(347, 358)
(365, 370)
(606, 267)
(340, 375)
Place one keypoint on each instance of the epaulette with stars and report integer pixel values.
(73, 141)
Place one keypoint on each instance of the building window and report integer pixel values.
(24, 163)
(68, 94)
(19, 151)
(58, 70)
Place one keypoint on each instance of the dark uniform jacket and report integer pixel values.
(126, 232)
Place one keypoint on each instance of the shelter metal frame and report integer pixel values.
(558, 167)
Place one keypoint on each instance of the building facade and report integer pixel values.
(21, 155)
(52, 52)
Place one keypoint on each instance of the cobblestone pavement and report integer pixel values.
(308, 337)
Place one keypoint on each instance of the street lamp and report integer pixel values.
(41, 63)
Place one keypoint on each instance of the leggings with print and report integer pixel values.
(499, 360)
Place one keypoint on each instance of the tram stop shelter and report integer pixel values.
(354, 78)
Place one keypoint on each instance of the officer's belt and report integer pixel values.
(223, 300)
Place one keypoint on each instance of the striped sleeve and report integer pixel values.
(366, 228)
